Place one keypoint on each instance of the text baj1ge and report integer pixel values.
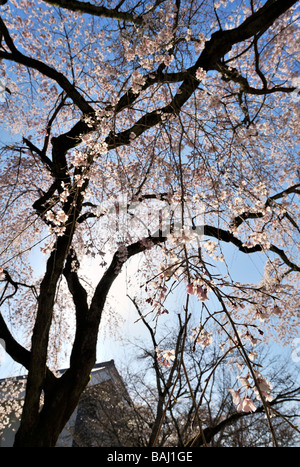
(166, 457)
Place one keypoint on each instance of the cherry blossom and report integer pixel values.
(236, 398)
(244, 404)
(165, 357)
(202, 337)
(200, 74)
(265, 388)
(199, 290)
(61, 217)
(248, 405)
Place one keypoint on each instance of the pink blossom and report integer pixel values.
(61, 217)
(261, 315)
(242, 405)
(251, 338)
(79, 180)
(200, 74)
(244, 381)
(236, 398)
(165, 357)
(263, 384)
(248, 405)
(50, 216)
(202, 337)
(264, 388)
(169, 354)
(201, 293)
(198, 290)
(79, 159)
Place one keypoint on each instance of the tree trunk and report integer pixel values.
(59, 403)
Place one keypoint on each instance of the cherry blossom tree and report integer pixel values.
(162, 130)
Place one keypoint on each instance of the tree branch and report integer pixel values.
(228, 237)
(79, 296)
(46, 161)
(216, 48)
(19, 354)
(231, 74)
(12, 347)
(43, 68)
(238, 220)
(96, 10)
(210, 432)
